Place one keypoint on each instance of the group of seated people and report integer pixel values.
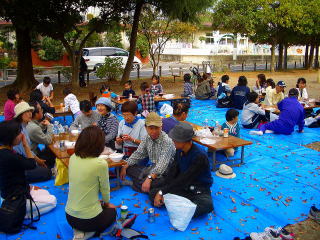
(159, 153)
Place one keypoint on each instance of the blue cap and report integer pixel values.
(281, 84)
(105, 101)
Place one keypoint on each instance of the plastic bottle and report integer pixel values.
(217, 128)
(206, 123)
(56, 128)
(79, 128)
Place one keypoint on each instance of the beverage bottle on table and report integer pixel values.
(79, 128)
(56, 128)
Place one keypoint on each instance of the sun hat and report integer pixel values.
(281, 84)
(105, 101)
(21, 108)
(153, 119)
(182, 132)
(225, 171)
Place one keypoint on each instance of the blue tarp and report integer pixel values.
(276, 186)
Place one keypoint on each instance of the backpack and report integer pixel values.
(122, 229)
(13, 210)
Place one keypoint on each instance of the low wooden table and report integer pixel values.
(60, 112)
(311, 106)
(64, 155)
(156, 99)
(223, 143)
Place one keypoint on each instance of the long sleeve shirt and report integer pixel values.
(109, 125)
(187, 89)
(156, 89)
(160, 152)
(19, 148)
(291, 113)
(249, 111)
(9, 110)
(303, 94)
(85, 121)
(239, 96)
(191, 169)
(87, 178)
(147, 102)
(272, 97)
(72, 102)
(126, 93)
(137, 131)
(12, 172)
(39, 134)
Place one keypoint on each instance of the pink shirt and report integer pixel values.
(9, 110)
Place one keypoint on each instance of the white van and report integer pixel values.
(95, 56)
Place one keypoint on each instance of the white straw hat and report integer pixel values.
(21, 108)
(225, 172)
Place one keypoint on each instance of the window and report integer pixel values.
(209, 38)
(108, 52)
(94, 52)
(121, 53)
(242, 42)
(85, 52)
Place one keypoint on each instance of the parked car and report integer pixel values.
(95, 56)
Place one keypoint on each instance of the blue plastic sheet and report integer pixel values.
(277, 185)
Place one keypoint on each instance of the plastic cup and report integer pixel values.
(226, 132)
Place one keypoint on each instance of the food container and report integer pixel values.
(75, 132)
(226, 132)
(69, 144)
(116, 157)
(124, 211)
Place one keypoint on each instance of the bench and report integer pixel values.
(176, 72)
(223, 143)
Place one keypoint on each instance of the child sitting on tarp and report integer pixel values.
(105, 91)
(232, 116)
(223, 94)
(252, 114)
(187, 86)
(291, 114)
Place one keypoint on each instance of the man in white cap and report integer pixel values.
(23, 114)
(189, 175)
(160, 150)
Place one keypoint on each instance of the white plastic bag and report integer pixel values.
(205, 132)
(166, 109)
(180, 210)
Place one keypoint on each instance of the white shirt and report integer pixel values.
(71, 102)
(45, 90)
(303, 94)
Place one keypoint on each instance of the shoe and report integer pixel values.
(259, 133)
(80, 235)
(269, 131)
(271, 234)
(284, 234)
(126, 183)
(314, 214)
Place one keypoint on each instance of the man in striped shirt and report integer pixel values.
(160, 150)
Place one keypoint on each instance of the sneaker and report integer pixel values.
(259, 133)
(267, 235)
(284, 234)
(80, 235)
(269, 131)
(314, 214)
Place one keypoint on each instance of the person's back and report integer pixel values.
(291, 112)
(239, 96)
(168, 124)
(83, 198)
(203, 90)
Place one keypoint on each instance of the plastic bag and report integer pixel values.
(166, 109)
(180, 210)
(62, 175)
(205, 132)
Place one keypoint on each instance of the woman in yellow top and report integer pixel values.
(88, 176)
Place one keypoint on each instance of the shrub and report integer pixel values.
(66, 72)
(111, 69)
(113, 39)
(4, 62)
(50, 49)
(143, 45)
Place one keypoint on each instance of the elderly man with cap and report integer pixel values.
(23, 114)
(108, 122)
(291, 114)
(189, 175)
(160, 150)
(276, 95)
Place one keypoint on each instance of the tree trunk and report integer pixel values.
(133, 41)
(306, 57)
(280, 57)
(310, 63)
(75, 63)
(235, 46)
(273, 57)
(25, 78)
(285, 57)
(317, 57)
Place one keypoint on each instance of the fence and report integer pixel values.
(59, 74)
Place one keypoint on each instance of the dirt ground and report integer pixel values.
(290, 77)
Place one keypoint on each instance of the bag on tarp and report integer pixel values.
(180, 210)
(166, 109)
(62, 174)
